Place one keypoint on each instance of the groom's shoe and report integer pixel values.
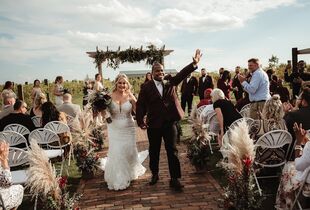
(176, 185)
(154, 179)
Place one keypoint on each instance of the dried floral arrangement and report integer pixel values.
(198, 150)
(83, 143)
(43, 182)
(241, 192)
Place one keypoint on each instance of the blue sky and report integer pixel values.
(43, 39)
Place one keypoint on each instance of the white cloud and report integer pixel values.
(62, 31)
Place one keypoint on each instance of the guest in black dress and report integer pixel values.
(225, 111)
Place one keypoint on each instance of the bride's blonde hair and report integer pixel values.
(121, 76)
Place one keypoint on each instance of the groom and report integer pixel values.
(158, 100)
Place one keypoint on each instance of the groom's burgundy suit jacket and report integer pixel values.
(160, 109)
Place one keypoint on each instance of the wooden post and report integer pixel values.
(20, 92)
(100, 71)
(294, 58)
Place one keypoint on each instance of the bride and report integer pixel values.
(123, 163)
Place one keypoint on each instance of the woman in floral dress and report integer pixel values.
(12, 195)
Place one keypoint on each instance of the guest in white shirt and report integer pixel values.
(257, 88)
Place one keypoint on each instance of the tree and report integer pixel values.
(273, 61)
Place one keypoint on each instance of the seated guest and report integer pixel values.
(38, 101)
(207, 98)
(12, 195)
(50, 113)
(242, 101)
(282, 91)
(68, 107)
(225, 111)
(272, 119)
(301, 114)
(294, 173)
(8, 102)
(18, 116)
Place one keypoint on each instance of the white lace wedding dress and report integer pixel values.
(123, 163)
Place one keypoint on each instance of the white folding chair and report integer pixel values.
(272, 140)
(199, 110)
(17, 128)
(248, 120)
(306, 180)
(58, 127)
(18, 157)
(14, 139)
(45, 138)
(36, 121)
(245, 111)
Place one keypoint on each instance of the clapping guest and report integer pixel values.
(224, 84)
(38, 101)
(294, 173)
(225, 111)
(58, 90)
(299, 115)
(257, 87)
(98, 87)
(36, 90)
(12, 195)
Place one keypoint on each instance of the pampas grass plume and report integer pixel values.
(42, 178)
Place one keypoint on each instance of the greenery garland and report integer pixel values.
(131, 55)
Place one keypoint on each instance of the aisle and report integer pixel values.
(200, 192)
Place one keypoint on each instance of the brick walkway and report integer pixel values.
(201, 191)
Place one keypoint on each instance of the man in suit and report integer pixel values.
(205, 82)
(68, 107)
(188, 91)
(158, 100)
(236, 85)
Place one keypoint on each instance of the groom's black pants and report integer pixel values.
(168, 132)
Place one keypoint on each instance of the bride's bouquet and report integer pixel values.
(100, 102)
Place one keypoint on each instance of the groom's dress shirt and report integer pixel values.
(159, 86)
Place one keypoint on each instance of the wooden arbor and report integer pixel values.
(295, 53)
(114, 58)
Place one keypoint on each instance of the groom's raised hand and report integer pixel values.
(197, 57)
